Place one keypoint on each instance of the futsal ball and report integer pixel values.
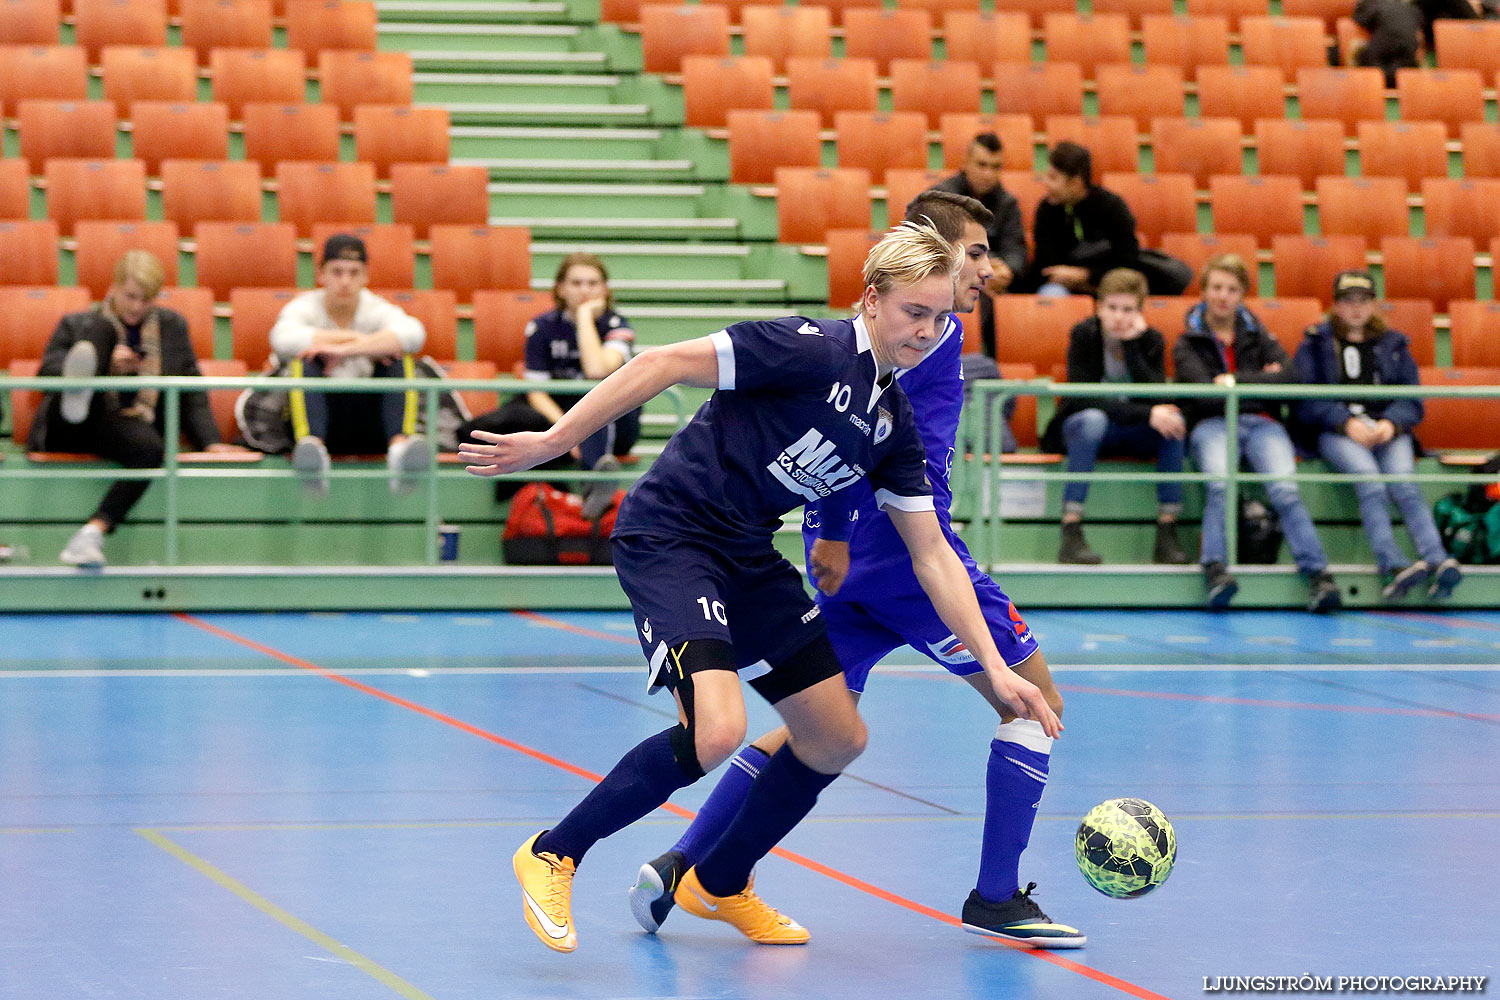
(1125, 847)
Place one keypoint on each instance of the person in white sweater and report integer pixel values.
(343, 330)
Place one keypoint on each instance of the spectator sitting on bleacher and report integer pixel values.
(1395, 29)
(1353, 346)
(980, 179)
(343, 330)
(125, 334)
(1224, 343)
(1457, 10)
(582, 338)
(1081, 230)
(1116, 346)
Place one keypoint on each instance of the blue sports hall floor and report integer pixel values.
(279, 806)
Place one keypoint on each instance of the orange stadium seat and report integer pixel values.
(1288, 43)
(94, 189)
(225, 24)
(1475, 332)
(42, 73)
(904, 184)
(252, 314)
(471, 259)
(1246, 93)
(1372, 207)
(1161, 203)
(1467, 45)
(1197, 249)
(427, 194)
(1451, 96)
(316, 26)
(385, 135)
(1412, 151)
(1326, 11)
(829, 86)
(1090, 40)
(1412, 317)
(939, 8)
(1037, 10)
(840, 9)
(1142, 92)
(97, 23)
(29, 250)
(847, 250)
(1038, 89)
(1167, 315)
(244, 76)
(102, 243)
(194, 191)
(15, 189)
(436, 309)
(23, 402)
(878, 141)
(1347, 95)
(1306, 150)
(810, 201)
(1457, 422)
(736, 9)
(712, 86)
(887, 35)
(1188, 43)
(1046, 322)
(1029, 190)
(196, 305)
(1462, 208)
(1262, 206)
(276, 132)
(1110, 139)
(477, 401)
(671, 31)
(245, 255)
(391, 249)
(49, 129)
(1136, 10)
(30, 22)
(349, 79)
(934, 88)
(500, 320)
(309, 192)
(778, 33)
(162, 130)
(1200, 147)
(1287, 319)
(761, 141)
(1235, 10)
(135, 74)
(1017, 150)
(223, 401)
(1481, 144)
(1305, 265)
(1439, 269)
(986, 37)
(29, 315)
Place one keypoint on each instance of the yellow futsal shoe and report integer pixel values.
(547, 892)
(746, 911)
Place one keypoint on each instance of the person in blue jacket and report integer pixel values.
(1353, 346)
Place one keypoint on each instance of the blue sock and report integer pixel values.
(722, 805)
(786, 791)
(642, 780)
(1014, 781)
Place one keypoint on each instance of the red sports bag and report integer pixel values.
(546, 527)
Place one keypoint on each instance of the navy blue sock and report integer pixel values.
(786, 791)
(723, 804)
(1014, 781)
(642, 780)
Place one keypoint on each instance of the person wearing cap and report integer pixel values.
(1225, 343)
(344, 330)
(1353, 346)
(125, 334)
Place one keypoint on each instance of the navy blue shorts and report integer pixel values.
(681, 590)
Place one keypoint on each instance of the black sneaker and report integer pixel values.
(1168, 550)
(651, 898)
(1323, 593)
(1447, 577)
(1404, 581)
(1221, 585)
(1018, 919)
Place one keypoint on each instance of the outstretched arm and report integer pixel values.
(943, 577)
(691, 362)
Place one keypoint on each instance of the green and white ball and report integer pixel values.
(1125, 847)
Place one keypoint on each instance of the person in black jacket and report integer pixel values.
(1353, 346)
(1225, 343)
(1395, 28)
(1116, 346)
(125, 334)
(1081, 230)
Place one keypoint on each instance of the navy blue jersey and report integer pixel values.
(552, 347)
(799, 416)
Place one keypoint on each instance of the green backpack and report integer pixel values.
(1469, 535)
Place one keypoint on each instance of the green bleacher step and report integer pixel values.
(434, 60)
(668, 324)
(691, 290)
(514, 168)
(589, 200)
(664, 260)
(612, 153)
(565, 227)
(473, 12)
(474, 113)
(515, 88)
(458, 40)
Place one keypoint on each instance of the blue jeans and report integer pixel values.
(1054, 290)
(1395, 457)
(1265, 446)
(1090, 433)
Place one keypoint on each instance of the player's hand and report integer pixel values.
(829, 562)
(1025, 699)
(497, 454)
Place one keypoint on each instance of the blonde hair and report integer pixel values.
(1231, 264)
(1122, 281)
(909, 253)
(143, 268)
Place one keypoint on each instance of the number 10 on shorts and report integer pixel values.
(713, 610)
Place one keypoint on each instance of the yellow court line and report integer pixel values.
(270, 909)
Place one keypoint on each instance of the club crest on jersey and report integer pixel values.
(883, 425)
(811, 468)
(951, 651)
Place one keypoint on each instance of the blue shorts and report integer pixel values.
(864, 632)
(681, 590)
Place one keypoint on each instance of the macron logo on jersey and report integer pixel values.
(811, 468)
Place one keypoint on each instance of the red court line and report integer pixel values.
(1268, 703)
(532, 616)
(1097, 976)
(1418, 616)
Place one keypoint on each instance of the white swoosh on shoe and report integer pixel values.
(550, 927)
(710, 907)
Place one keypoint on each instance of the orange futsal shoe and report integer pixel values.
(745, 911)
(547, 894)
